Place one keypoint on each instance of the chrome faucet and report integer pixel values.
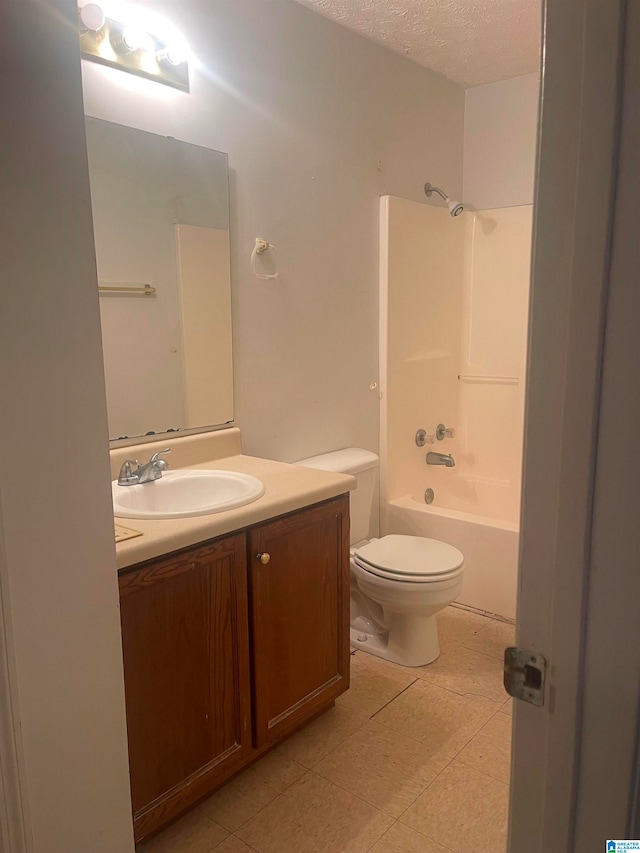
(441, 459)
(151, 470)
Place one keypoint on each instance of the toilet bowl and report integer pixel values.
(398, 583)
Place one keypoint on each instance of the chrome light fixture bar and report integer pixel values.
(129, 47)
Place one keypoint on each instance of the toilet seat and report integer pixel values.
(413, 559)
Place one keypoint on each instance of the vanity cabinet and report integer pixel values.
(228, 647)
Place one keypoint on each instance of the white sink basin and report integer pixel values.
(185, 493)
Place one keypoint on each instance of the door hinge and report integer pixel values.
(524, 675)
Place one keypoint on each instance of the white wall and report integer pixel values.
(318, 122)
(57, 553)
(500, 132)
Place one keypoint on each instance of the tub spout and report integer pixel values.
(440, 459)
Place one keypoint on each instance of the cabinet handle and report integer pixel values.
(264, 558)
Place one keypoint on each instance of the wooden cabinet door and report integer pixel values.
(187, 686)
(299, 616)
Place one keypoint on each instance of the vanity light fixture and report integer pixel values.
(159, 53)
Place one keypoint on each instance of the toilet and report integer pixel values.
(398, 583)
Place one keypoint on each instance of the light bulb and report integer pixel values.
(92, 16)
(176, 54)
(135, 38)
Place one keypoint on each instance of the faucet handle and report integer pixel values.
(127, 477)
(160, 464)
(444, 432)
(422, 438)
(154, 458)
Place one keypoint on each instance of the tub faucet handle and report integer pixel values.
(444, 432)
(423, 437)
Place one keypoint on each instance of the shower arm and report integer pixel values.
(429, 189)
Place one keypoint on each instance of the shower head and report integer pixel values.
(455, 207)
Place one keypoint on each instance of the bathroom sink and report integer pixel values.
(185, 493)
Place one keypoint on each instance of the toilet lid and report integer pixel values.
(410, 556)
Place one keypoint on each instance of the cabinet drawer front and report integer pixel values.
(300, 620)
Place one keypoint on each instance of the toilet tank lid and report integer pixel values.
(349, 460)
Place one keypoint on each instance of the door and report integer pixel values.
(186, 667)
(574, 189)
(608, 795)
(300, 616)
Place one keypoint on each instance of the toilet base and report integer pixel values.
(410, 641)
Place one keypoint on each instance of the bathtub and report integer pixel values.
(489, 545)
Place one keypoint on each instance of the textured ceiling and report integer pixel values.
(468, 41)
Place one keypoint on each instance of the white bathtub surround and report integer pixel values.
(453, 314)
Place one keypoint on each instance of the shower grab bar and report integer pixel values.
(489, 380)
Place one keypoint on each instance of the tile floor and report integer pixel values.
(408, 761)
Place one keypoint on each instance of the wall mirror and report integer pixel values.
(161, 224)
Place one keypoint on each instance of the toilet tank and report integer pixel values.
(363, 465)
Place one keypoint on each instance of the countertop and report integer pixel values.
(288, 487)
